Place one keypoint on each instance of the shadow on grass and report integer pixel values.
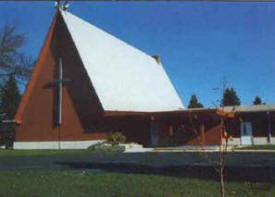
(251, 174)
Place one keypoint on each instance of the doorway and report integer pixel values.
(246, 133)
(154, 134)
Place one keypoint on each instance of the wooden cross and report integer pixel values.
(59, 83)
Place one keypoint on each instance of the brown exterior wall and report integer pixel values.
(259, 122)
(211, 136)
(184, 130)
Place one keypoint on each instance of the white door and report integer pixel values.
(246, 133)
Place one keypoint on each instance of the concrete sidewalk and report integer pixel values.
(209, 150)
(191, 149)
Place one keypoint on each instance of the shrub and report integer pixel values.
(116, 138)
(106, 148)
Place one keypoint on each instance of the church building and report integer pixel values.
(86, 83)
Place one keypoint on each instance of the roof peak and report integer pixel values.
(57, 5)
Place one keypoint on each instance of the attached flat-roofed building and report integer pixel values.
(252, 125)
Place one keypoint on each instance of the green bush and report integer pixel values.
(106, 148)
(116, 138)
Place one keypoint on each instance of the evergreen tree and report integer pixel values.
(257, 101)
(10, 98)
(230, 98)
(193, 103)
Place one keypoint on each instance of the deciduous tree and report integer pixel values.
(11, 60)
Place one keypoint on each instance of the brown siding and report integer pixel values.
(213, 135)
(188, 131)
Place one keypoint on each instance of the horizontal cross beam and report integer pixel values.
(56, 82)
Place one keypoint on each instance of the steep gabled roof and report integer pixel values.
(124, 78)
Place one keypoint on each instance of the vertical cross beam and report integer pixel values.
(60, 85)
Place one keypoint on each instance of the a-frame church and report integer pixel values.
(86, 83)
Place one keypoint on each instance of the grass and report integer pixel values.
(41, 173)
(81, 183)
(258, 147)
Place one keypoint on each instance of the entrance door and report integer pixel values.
(154, 134)
(246, 133)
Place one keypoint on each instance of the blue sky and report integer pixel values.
(199, 43)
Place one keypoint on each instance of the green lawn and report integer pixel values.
(90, 173)
(81, 183)
(259, 147)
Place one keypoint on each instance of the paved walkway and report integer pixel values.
(192, 149)
(209, 150)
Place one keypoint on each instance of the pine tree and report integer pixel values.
(10, 98)
(230, 98)
(193, 103)
(257, 101)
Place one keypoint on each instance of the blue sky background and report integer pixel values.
(199, 43)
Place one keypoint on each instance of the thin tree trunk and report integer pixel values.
(222, 181)
(223, 150)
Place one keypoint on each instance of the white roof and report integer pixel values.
(124, 78)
